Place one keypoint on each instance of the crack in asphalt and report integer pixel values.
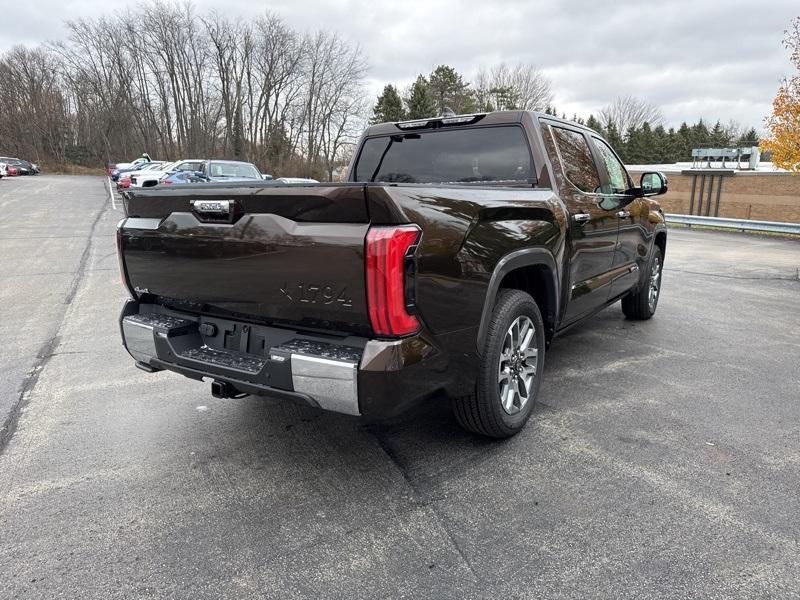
(428, 503)
(47, 349)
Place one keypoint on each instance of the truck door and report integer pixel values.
(630, 254)
(592, 229)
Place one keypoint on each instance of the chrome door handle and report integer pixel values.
(624, 214)
(581, 218)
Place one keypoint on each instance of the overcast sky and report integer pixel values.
(719, 59)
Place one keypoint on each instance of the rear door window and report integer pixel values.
(477, 155)
(576, 159)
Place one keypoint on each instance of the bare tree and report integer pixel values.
(628, 112)
(168, 81)
(513, 87)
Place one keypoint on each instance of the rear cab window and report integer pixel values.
(498, 154)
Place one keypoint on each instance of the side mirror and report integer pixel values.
(267, 176)
(653, 183)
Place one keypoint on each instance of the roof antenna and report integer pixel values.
(447, 112)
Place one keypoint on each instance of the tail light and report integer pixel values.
(123, 276)
(390, 272)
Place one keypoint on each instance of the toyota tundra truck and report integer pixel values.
(459, 247)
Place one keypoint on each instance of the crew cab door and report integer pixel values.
(630, 253)
(592, 229)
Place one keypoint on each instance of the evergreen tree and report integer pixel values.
(649, 152)
(673, 148)
(662, 145)
(700, 135)
(634, 147)
(389, 107)
(683, 146)
(593, 123)
(505, 98)
(749, 138)
(717, 136)
(419, 102)
(615, 139)
(448, 89)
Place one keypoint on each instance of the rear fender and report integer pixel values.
(526, 257)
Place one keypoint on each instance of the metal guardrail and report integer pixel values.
(737, 224)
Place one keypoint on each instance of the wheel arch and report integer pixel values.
(532, 270)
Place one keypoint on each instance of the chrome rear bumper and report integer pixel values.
(322, 373)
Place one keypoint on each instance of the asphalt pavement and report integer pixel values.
(662, 462)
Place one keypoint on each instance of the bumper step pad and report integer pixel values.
(225, 358)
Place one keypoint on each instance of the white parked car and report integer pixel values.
(143, 159)
(152, 177)
(295, 180)
(3, 170)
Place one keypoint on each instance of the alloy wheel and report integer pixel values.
(655, 284)
(517, 368)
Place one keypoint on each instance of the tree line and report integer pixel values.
(632, 126)
(503, 87)
(647, 144)
(166, 80)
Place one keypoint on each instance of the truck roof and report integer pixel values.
(500, 117)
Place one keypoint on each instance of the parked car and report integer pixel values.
(229, 171)
(126, 178)
(3, 170)
(180, 177)
(152, 177)
(123, 172)
(23, 167)
(458, 249)
(295, 180)
(114, 170)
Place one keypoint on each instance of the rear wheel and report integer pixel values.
(511, 369)
(641, 305)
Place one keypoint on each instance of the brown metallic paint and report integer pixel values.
(316, 234)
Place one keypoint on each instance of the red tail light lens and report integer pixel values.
(388, 253)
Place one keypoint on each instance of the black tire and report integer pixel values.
(483, 412)
(637, 305)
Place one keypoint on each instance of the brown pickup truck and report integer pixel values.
(459, 248)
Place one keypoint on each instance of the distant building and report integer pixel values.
(762, 193)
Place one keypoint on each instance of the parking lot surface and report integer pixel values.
(662, 462)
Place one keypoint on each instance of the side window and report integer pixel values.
(617, 175)
(576, 159)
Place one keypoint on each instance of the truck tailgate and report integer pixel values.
(276, 253)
